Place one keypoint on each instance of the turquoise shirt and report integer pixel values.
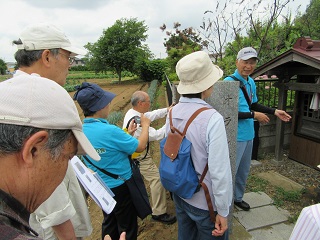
(245, 126)
(114, 146)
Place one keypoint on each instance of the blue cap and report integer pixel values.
(92, 97)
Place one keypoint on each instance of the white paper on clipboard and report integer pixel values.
(99, 192)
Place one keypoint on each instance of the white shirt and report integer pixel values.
(308, 224)
(154, 134)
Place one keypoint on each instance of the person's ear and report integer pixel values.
(45, 57)
(33, 146)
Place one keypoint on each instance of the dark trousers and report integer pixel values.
(123, 218)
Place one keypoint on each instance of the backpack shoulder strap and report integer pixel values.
(193, 116)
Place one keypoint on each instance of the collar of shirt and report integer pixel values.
(192, 100)
(15, 211)
(92, 120)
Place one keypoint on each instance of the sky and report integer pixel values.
(83, 21)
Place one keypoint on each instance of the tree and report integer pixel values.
(180, 43)
(3, 67)
(220, 26)
(309, 22)
(280, 38)
(178, 38)
(118, 47)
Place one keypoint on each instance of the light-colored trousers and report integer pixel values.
(150, 172)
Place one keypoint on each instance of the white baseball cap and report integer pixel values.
(196, 73)
(46, 36)
(30, 100)
(247, 53)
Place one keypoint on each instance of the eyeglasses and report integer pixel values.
(71, 59)
(249, 62)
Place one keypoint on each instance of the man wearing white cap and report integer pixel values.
(207, 134)
(44, 50)
(40, 131)
(249, 109)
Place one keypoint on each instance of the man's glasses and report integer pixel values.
(71, 59)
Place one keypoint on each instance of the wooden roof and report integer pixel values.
(302, 59)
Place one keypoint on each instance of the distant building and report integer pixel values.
(78, 62)
(11, 66)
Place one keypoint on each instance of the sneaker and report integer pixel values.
(243, 205)
(165, 218)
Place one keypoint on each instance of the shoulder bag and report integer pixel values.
(136, 187)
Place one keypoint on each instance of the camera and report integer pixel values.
(137, 119)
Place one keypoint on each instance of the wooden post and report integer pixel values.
(282, 102)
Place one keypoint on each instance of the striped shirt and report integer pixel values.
(308, 225)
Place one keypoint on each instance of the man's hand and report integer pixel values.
(261, 117)
(282, 115)
(132, 127)
(122, 237)
(221, 225)
(144, 121)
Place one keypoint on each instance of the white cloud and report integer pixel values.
(83, 21)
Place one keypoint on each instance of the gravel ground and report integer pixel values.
(304, 175)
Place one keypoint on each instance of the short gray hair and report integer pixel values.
(12, 138)
(138, 96)
(26, 58)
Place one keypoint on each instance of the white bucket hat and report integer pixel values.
(196, 73)
(30, 100)
(47, 36)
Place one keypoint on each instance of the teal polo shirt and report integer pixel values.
(245, 126)
(113, 145)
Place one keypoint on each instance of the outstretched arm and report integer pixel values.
(282, 115)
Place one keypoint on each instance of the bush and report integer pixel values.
(79, 68)
(152, 69)
(173, 77)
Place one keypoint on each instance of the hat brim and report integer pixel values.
(103, 101)
(84, 145)
(203, 84)
(75, 51)
(249, 56)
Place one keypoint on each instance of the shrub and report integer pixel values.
(79, 68)
(152, 69)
